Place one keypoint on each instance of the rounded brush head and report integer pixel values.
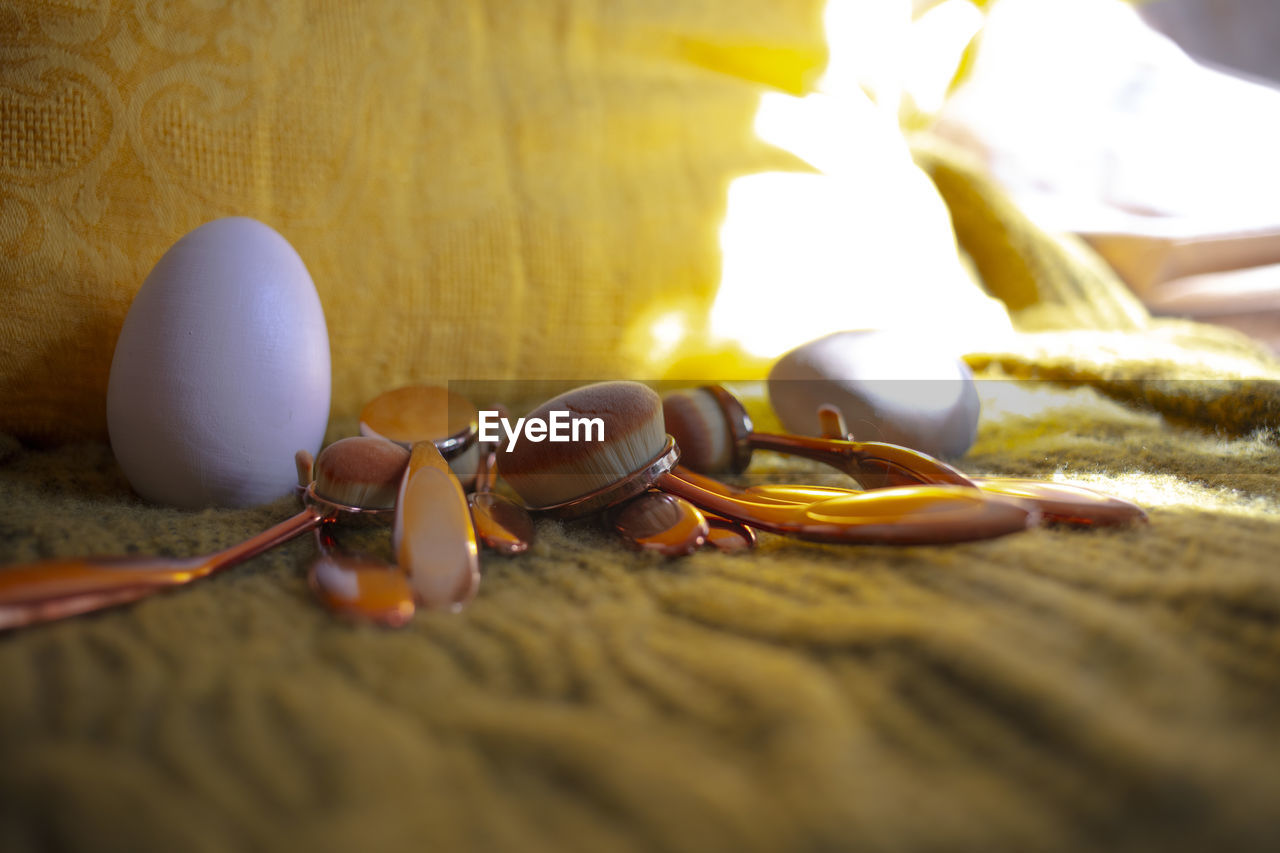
(547, 473)
(427, 413)
(711, 427)
(693, 418)
(361, 471)
(420, 413)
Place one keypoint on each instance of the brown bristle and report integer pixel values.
(417, 413)
(694, 419)
(545, 473)
(361, 471)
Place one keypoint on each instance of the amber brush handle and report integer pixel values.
(67, 586)
(872, 463)
(905, 515)
(434, 538)
(1057, 503)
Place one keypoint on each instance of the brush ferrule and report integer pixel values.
(312, 497)
(739, 424)
(458, 443)
(628, 487)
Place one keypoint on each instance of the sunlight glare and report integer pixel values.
(861, 242)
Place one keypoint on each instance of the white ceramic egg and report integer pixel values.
(889, 386)
(221, 371)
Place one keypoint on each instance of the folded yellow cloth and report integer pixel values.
(1077, 321)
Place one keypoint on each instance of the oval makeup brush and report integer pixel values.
(571, 479)
(662, 523)
(433, 536)
(502, 524)
(715, 434)
(416, 413)
(359, 587)
(355, 475)
(355, 586)
(725, 534)
(716, 424)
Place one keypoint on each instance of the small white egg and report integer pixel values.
(890, 387)
(221, 371)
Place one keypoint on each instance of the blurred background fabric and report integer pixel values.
(603, 190)
(479, 190)
(1097, 123)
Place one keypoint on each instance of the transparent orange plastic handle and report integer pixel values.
(68, 586)
(1058, 503)
(872, 463)
(899, 515)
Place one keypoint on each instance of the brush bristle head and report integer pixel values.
(695, 420)
(417, 413)
(546, 473)
(361, 471)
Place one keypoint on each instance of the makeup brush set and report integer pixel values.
(222, 370)
(648, 475)
(907, 496)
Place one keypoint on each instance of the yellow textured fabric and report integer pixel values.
(1046, 281)
(1055, 690)
(1079, 323)
(479, 189)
